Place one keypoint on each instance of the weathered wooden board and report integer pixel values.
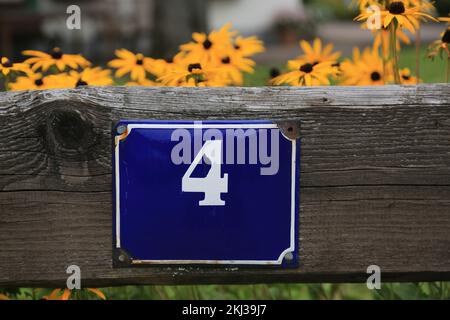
(375, 180)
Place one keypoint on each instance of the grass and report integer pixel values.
(432, 72)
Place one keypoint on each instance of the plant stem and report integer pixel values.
(394, 52)
(6, 82)
(385, 53)
(447, 73)
(418, 45)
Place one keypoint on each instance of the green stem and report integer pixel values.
(418, 45)
(447, 73)
(6, 82)
(394, 52)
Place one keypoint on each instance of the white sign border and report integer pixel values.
(132, 126)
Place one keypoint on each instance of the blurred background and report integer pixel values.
(157, 27)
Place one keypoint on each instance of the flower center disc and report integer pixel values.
(193, 66)
(307, 68)
(375, 76)
(397, 7)
(274, 72)
(38, 82)
(226, 60)
(446, 36)
(56, 53)
(7, 64)
(81, 83)
(207, 44)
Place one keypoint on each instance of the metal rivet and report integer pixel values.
(121, 129)
(289, 256)
(122, 258)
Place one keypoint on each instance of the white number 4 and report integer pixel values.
(213, 184)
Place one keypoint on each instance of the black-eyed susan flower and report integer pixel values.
(306, 74)
(248, 46)
(90, 77)
(232, 64)
(364, 69)
(317, 53)
(441, 46)
(406, 77)
(192, 74)
(32, 81)
(42, 60)
(207, 48)
(7, 66)
(137, 65)
(400, 13)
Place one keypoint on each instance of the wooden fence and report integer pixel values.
(375, 181)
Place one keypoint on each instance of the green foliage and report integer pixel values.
(388, 291)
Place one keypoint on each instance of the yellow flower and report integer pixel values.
(364, 69)
(440, 46)
(306, 74)
(159, 67)
(42, 60)
(91, 77)
(6, 66)
(59, 81)
(363, 4)
(407, 78)
(135, 64)
(193, 74)
(32, 81)
(248, 46)
(207, 48)
(316, 53)
(231, 66)
(382, 40)
(401, 13)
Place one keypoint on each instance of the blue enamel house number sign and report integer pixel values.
(206, 193)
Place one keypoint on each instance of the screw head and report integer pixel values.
(121, 129)
(289, 257)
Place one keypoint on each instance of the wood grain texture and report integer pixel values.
(375, 180)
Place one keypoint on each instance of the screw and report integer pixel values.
(121, 129)
(289, 257)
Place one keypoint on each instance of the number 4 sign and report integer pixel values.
(216, 192)
(213, 184)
